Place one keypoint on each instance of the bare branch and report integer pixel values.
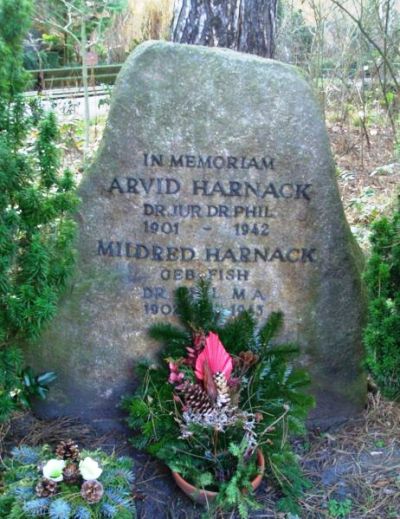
(364, 32)
(70, 6)
(59, 26)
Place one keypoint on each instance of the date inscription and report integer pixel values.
(227, 225)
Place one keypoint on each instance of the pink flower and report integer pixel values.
(175, 376)
(214, 358)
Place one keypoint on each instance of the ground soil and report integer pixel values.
(368, 173)
(358, 462)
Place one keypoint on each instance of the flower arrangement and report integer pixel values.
(66, 484)
(220, 394)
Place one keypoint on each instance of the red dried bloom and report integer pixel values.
(214, 358)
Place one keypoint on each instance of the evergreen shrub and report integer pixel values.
(36, 200)
(382, 334)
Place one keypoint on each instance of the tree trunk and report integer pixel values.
(244, 25)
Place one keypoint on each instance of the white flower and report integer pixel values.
(89, 469)
(54, 470)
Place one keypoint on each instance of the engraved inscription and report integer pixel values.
(175, 198)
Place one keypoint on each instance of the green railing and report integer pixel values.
(70, 77)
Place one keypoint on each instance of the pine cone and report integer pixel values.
(67, 450)
(223, 396)
(92, 491)
(195, 398)
(71, 473)
(46, 488)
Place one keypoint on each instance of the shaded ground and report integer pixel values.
(355, 467)
(359, 462)
(367, 172)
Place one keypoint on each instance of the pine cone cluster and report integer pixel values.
(92, 491)
(195, 398)
(46, 488)
(67, 450)
(197, 401)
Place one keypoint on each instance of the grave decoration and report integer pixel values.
(221, 396)
(38, 482)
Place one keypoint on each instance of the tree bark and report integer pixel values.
(243, 25)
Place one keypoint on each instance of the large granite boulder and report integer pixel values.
(216, 163)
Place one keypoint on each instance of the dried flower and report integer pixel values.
(175, 376)
(215, 357)
(234, 382)
(199, 342)
(248, 358)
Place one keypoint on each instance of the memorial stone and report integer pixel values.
(213, 163)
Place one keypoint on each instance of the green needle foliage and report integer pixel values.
(36, 200)
(271, 388)
(382, 334)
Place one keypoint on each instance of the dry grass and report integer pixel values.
(359, 462)
(27, 429)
